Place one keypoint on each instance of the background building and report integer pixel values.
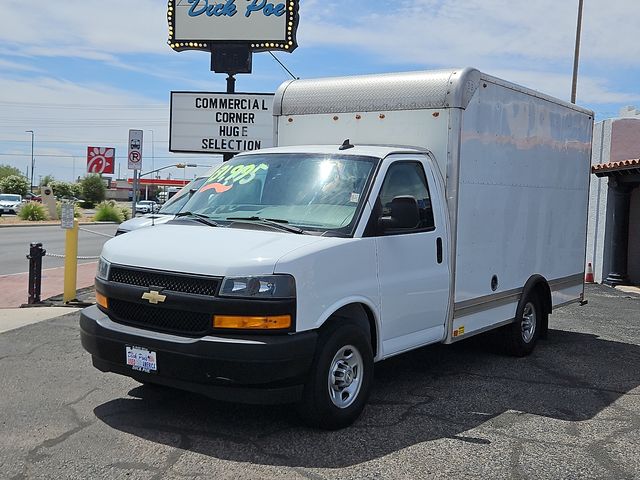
(613, 240)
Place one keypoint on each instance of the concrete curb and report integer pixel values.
(83, 224)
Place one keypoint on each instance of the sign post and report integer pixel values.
(135, 163)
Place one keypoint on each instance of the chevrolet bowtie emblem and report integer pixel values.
(154, 297)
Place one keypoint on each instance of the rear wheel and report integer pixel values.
(522, 335)
(340, 378)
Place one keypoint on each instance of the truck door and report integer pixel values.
(412, 262)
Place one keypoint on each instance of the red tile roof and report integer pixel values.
(616, 166)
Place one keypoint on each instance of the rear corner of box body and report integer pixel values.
(522, 200)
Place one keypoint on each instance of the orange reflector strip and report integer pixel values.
(252, 323)
(102, 300)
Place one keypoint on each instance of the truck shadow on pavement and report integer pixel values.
(432, 393)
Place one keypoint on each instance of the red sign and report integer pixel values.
(101, 160)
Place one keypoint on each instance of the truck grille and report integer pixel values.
(159, 319)
(166, 281)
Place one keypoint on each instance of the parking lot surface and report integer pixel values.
(571, 410)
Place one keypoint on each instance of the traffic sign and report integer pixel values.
(135, 149)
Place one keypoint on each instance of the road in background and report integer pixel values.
(570, 410)
(15, 241)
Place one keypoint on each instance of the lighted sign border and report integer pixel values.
(255, 45)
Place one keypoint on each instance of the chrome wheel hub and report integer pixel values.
(345, 376)
(528, 323)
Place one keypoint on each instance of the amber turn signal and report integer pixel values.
(252, 323)
(102, 300)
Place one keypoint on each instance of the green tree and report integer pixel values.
(16, 184)
(76, 188)
(63, 189)
(47, 180)
(93, 189)
(8, 171)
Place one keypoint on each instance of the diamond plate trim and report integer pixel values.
(372, 93)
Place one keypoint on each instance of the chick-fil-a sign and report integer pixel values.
(262, 24)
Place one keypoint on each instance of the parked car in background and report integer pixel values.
(10, 203)
(32, 197)
(168, 211)
(147, 206)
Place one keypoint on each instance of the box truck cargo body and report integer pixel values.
(396, 211)
(515, 164)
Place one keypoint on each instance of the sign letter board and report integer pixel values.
(220, 122)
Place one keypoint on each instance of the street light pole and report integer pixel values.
(153, 152)
(576, 55)
(32, 159)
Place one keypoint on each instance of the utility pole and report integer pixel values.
(576, 55)
(32, 159)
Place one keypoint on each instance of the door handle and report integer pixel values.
(439, 249)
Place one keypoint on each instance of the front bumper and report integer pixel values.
(261, 369)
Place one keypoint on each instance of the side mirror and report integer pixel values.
(405, 214)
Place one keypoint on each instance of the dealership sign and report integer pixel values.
(101, 160)
(220, 122)
(260, 24)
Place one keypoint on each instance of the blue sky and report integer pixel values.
(83, 72)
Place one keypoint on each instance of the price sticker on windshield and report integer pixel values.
(225, 177)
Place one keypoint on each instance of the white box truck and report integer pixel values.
(397, 211)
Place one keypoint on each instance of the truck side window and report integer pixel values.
(407, 178)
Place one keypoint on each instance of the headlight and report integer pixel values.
(269, 286)
(103, 269)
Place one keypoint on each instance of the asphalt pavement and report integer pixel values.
(15, 241)
(571, 410)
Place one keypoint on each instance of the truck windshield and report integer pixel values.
(314, 192)
(174, 204)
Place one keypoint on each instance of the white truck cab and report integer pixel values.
(432, 206)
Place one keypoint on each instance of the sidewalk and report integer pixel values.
(13, 318)
(14, 289)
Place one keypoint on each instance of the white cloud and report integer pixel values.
(85, 28)
(591, 90)
(469, 31)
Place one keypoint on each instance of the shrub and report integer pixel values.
(16, 184)
(126, 212)
(93, 189)
(108, 212)
(33, 212)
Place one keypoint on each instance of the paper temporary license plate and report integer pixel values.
(141, 359)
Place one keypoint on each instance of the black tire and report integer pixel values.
(521, 336)
(322, 395)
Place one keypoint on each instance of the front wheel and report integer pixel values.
(340, 378)
(521, 336)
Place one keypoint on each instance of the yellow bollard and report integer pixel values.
(71, 263)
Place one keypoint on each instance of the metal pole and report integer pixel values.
(32, 159)
(36, 252)
(231, 88)
(133, 193)
(153, 153)
(71, 264)
(576, 55)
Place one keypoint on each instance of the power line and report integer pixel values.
(81, 155)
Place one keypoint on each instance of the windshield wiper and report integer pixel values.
(198, 217)
(272, 222)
